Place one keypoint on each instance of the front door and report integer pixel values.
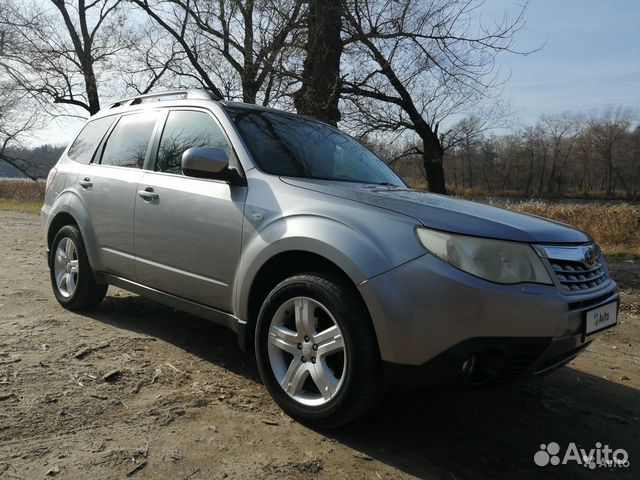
(188, 230)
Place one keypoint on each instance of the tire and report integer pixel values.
(342, 379)
(72, 281)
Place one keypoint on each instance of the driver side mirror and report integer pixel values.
(204, 162)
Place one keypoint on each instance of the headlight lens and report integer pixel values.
(494, 260)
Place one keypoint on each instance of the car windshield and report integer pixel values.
(291, 146)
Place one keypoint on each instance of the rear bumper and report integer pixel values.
(44, 226)
(430, 317)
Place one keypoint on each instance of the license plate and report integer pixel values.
(602, 317)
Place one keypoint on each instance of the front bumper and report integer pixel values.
(488, 361)
(430, 317)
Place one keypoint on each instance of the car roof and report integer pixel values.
(187, 97)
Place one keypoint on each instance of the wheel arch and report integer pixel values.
(76, 214)
(61, 219)
(277, 268)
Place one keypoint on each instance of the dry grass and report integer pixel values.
(480, 193)
(20, 206)
(21, 195)
(21, 190)
(615, 226)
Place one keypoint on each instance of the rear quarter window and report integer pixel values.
(85, 144)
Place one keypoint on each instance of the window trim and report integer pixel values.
(98, 155)
(114, 119)
(234, 161)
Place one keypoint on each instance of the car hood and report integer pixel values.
(450, 214)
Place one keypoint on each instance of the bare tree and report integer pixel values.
(634, 163)
(56, 47)
(585, 151)
(608, 131)
(562, 132)
(559, 155)
(16, 123)
(425, 61)
(234, 48)
(151, 61)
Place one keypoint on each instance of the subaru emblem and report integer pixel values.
(589, 256)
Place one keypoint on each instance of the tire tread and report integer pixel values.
(88, 293)
(368, 386)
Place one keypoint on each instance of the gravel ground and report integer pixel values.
(136, 389)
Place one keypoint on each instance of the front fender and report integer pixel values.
(359, 255)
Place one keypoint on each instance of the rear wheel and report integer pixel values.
(71, 275)
(317, 351)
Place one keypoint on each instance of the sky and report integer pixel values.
(588, 59)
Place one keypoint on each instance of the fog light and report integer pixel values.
(469, 365)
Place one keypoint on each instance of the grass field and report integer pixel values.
(21, 195)
(21, 190)
(614, 224)
(19, 205)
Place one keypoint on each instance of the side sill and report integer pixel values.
(216, 316)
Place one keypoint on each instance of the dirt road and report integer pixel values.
(138, 389)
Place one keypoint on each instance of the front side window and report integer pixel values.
(86, 143)
(186, 129)
(283, 144)
(128, 143)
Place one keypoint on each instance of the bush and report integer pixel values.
(22, 190)
(610, 224)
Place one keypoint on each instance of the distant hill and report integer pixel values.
(8, 171)
(39, 161)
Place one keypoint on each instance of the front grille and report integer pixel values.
(582, 304)
(575, 276)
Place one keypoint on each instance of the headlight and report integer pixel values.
(494, 260)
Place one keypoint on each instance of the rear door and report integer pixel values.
(108, 190)
(188, 230)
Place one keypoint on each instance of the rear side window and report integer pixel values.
(185, 129)
(88, 140)
(129, 140)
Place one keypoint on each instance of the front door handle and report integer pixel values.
(148, 194)
(86, 183)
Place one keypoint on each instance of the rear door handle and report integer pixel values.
(148, 194)
(86, 183)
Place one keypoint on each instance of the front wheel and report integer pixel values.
(71, 275)
(317, 351)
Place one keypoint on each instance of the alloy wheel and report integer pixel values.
(66, 268)
(307, 351)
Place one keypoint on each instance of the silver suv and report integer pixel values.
(295, 236)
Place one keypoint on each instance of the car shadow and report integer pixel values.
(445, 434)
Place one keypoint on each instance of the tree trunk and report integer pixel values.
(92, 88)
(22, 169)
(610, 179)
(530, 173)
(320, 92)
(432, 159)
(249, 93)
(434, 172)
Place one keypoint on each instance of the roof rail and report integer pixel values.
(191, 93)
